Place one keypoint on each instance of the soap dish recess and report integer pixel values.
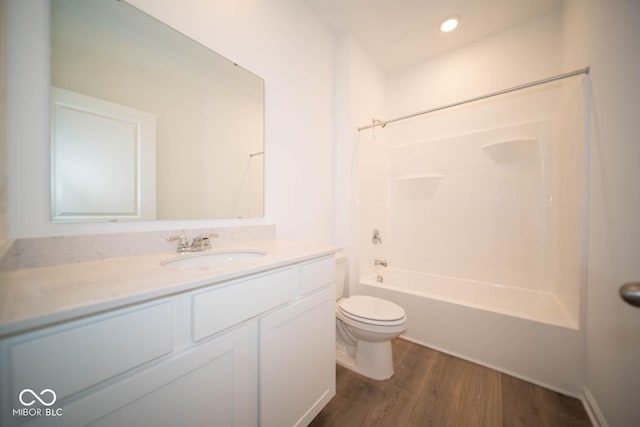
(418, 187)
(511, 151)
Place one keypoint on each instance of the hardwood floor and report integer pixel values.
(430, 388)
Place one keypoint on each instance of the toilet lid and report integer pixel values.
(372, 308)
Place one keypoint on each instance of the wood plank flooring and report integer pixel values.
(430, 388)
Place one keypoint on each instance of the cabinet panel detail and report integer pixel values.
(297, 360)
(213, 384)
(317, 274)
(61, 361)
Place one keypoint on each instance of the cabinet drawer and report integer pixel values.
(225, 306)
(79, 357)
(316, 274)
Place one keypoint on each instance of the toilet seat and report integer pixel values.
(371, 310)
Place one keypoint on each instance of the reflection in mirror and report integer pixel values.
(148, 124)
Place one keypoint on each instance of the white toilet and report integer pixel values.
(365, 326)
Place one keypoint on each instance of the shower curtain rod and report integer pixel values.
(383, 123)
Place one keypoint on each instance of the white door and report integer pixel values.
(613, 327)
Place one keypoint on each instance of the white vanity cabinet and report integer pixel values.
(297, 362)
(258, 350)
(210, 385)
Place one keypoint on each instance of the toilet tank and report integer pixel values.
(341, 273)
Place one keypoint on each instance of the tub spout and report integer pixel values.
(382, 262)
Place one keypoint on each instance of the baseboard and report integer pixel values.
(7, 255)
(592, 408)
(5, 246)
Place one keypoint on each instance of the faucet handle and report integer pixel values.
(183, 241)
(202, 242)
(205, 236)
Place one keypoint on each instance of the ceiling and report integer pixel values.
(401, 33)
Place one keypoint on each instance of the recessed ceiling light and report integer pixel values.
(449, 23)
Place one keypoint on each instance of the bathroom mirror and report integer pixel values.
(146, 123)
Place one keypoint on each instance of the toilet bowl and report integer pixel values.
(365, 326)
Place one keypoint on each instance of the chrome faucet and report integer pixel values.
(382, 262)
(199, 243)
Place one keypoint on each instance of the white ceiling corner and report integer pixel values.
(401, 33)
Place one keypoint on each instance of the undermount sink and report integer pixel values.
(203, 261)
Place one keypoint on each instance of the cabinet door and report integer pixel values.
(213, 384)
(297, 360)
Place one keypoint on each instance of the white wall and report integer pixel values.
(506, 59)
(360, 95)
(281, 41)
(605, 36)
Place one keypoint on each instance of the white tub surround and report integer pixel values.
(523, 333)
(125, 340)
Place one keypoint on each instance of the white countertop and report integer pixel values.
(37, 297)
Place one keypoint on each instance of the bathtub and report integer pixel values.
(521, 332)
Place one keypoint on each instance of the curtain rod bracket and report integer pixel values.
(377, 122)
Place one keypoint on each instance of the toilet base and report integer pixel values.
(372, 359)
